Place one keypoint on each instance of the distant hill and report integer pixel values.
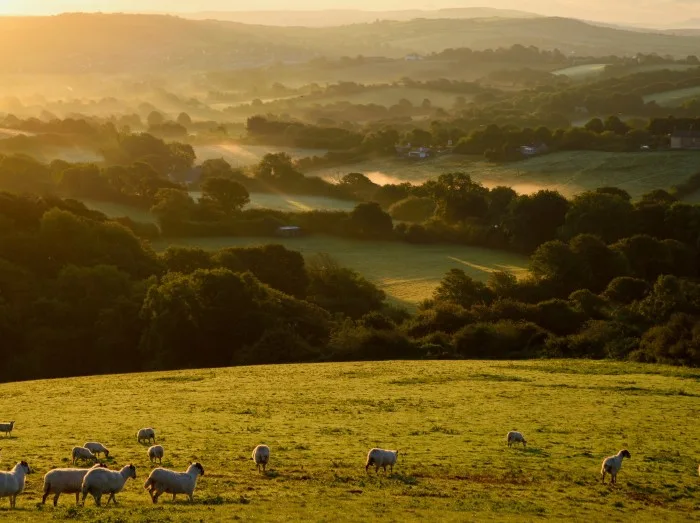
(338, 17)
(151, 43)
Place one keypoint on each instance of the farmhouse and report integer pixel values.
(685, 139)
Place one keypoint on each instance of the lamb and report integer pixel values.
(261, 456)
(82, 453)
(100, 481)
(97, 448)
(613, 464)
(516, 437)
(65, 481)
(163, 480)
(147, 435)
(382, 458)
(6, 428)
(12, 483)
(156, 452)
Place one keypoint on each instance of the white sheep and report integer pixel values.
(261, 456)
(12, 483)
(613, 464)
(99, 481)
(169, 481)
(515, 437)
(147, 435)
(65, 481)
(97, 448)
(382, 458)
(156, 452)
(6, 428)
(82, 453)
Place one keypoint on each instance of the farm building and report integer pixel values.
(685, 140)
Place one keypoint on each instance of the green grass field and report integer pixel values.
(448, 419)
(567, 172)
(673, 98)
(581, 72)
(407, 273)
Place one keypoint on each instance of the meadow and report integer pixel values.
(569, 172)
(673, 98)
(447, 418)
(407, 273)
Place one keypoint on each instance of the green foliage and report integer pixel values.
(413, 209)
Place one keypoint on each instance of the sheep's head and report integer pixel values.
(132, 471)
(200, 467)
(625, 453)
(106, 453)
(25, 466)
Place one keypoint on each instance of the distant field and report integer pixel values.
(567, 172)
(407, 273)
(388, 96)
(280, 202)
(448, 419)
(241, 155)
(674, 98)
(581, 72)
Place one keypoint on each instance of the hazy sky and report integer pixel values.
(630, 11)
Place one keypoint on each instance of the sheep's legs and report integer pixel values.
(191, 498)
(111, 497)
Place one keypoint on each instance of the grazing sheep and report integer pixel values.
(261, 456)
(516, 437)
(613, 464)
(97, 448)
(82, 453)
(100, 481)
(6, 428)
(12, 483)
(156, 452)
(146, 435)
(65, 481)
(382, 458)
(172, 482)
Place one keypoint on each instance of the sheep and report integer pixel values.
(65, 481)
(261, 456)
(156, 452)
(147, 435)
(163, 480)
(12, 483)
(382, 458)
(97, 448)
(6, 428)
(82, 453)
(515, 437)
(100, 481)
(613, 464)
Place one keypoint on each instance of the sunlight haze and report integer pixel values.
(656, 13)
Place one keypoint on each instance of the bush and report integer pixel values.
(500, 340)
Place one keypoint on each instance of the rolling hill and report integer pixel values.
(116, 43)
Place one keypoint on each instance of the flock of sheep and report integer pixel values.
(99, 480)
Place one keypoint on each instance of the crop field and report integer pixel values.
(567, 172)
(447, 419)
(673, 98)
(407, 273)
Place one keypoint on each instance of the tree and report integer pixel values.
(456, 287)
(155, 118)
(341, 290)
(602, 214)
(184, 119)
(413, 209)
(534, 219)
(173, 207)
(228, 196)
(358, 185)
(370, 221)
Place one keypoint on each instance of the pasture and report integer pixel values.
(569, 172)
(448, 420)
(673, 98)
(407, 273)
(581, 72)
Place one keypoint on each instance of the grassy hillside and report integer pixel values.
(158, 43)
(448, 419)
(407, 273)
(567, 172)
